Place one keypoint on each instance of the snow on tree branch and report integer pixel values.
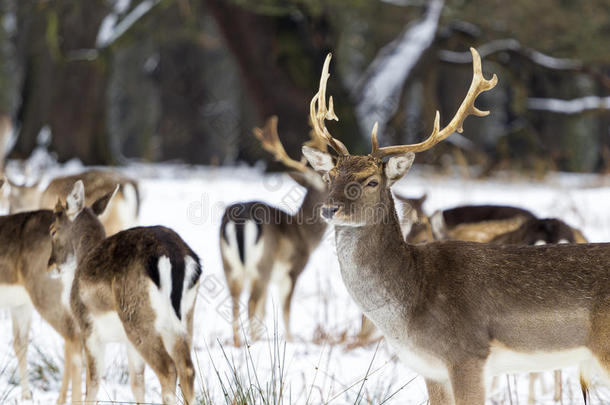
(377, 95)
(502, 45)
(574, 106)
(112, 29)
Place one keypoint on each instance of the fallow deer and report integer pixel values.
(138, 287)
(122, 213)
(25, 247)
(459, 312)
(260, 244)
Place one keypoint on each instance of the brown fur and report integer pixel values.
(287, 239)
(26, 247)
(455, 301)
(114, 276)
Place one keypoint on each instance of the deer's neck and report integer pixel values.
(311, 223)
(378, 267)
(88, 234)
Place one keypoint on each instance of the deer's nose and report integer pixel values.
(328, 211)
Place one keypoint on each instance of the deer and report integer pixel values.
(260, 244)
(458, 312)
(123, 212)
(488, 223)
(25, 286)
(138, 287)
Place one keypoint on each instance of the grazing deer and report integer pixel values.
(24, 284)
(122, 213)
(459, 312)
(137, 287)
(260, 243)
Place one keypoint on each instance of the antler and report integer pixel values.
(318, 113)
(479, 84)
(270, 141)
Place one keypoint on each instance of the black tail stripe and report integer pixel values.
(239, 235)
(177, 272)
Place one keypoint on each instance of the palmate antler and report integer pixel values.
(479, 84)
(318, 113)
(270, 141)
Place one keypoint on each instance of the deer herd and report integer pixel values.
(462, 295)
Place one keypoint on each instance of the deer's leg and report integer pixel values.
(94, 352)
(136, 373)
(181, 354)
(600, 343)
(287, 286)
(256, 305)
(531, 396)
(22, 320)
(558, 385)
(74, 369)
(65, 379)
(150, 346)
(467, 382)
(235, 288)
(439, 393)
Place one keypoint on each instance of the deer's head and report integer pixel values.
(75, 225)
(359, 185)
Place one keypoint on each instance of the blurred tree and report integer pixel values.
(64, 78)
(185, 79)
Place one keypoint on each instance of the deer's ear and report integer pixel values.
(320, 161)
(100, 206)
(75, 201)
(398, 166)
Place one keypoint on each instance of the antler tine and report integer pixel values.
(318, 113)
(270, 141)
(479, 84)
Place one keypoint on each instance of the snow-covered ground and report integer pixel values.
(320, 366)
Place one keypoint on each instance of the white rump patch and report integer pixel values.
(540, 243)
(167, 323)
(253, 251)
(188, 294)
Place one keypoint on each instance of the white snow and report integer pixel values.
(319, 366)
(574, 106)
(511, 44)
(378, 95)
(112, 29)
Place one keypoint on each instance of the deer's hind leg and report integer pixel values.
(236, 286)
(258, 296)
(74, 369)
(136, 374)
(22, 320)
(139, 319)
(287, 285)
(600, 340)
(439, 393)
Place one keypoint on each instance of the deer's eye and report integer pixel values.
(372, 183)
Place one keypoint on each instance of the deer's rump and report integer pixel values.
(145, 248)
